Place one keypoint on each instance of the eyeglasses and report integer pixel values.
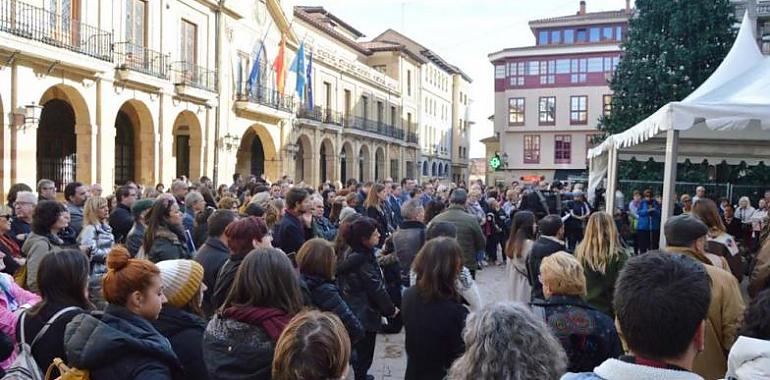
(7, 217)
(22, 204)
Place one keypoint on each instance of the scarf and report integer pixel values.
(692, 253)
(11, 244)
(272, 320)
(6, 286)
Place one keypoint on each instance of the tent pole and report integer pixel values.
(669, 180)
(612, 174)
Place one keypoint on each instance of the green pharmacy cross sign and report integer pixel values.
(495, 162)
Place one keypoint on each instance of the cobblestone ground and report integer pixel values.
(390, 356)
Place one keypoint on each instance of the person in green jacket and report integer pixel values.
(602, 256)
(469, 233)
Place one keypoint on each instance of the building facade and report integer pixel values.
(549, 97)
(102, 91)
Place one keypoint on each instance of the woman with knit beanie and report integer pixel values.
(180, 319)
(364, 290)
(121, 343)
(240, 340)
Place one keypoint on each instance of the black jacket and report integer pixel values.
(532, 202)
(224, 281)
(291, 233)
(542, 248)
(117, 345)
(185, 332)
(382, 222)
(121, 222)
(20, 227)
(212, 256)
(362, 287)
(51, 344)
(235, 350)
(433, 335)
(326, 297)
(587, 335)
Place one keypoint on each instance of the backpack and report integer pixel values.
(24, 367)
(67, 373)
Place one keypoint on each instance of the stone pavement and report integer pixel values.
(390, 356)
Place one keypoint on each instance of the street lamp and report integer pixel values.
(230, 142)
(32, 114)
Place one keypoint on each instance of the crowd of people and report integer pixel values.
(288, 281)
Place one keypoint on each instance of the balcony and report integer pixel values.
(188, 74)
(374, 126)
(412, 138)
(38, 24)
(321, 115)
(138, 58)
(271, 98)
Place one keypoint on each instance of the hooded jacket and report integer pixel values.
(326, 296)
(749, 359)
(185, 332)
(117, 345)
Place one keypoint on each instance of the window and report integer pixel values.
(619, 33)
(380, 108)
(606, 105)
(136, 16)
(569, 36)
(595, 65)
(547, 71)
(516, 111)
(348, 103)
(393, 116)
(582, 35)
(189, 48)
(594, 36)
(606, 33)
(516, 72)
(409, 82)
(409, 122)
(556, 37)
(531, 149)
(542, 38)
(365, 107)
(579, 68)
(562, 66)
(562, 149)
(328, 95)
(578, 109)
(547, 110)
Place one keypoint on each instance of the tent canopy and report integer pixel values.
(726, 118)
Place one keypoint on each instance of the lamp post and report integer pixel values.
(32, 114)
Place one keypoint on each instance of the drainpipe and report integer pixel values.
(218, 110)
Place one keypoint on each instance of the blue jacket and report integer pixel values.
(649, 220)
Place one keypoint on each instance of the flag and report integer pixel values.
(254, 74)
(310, 81)
(279, 65)
(298, 66)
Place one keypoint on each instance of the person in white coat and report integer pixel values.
(517, 249)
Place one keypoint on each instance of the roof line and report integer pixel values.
(322, 10)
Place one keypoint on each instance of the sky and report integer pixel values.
(463, 32)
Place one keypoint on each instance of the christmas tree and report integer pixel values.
(671, 48)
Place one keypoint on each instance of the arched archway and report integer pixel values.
(346, 162)
(188, 145)
(304, 161)
(257, 154)
(134, 144)
(63, 150)
(363, 164)
(434, 171)
(425, 168)
(379, 164)
(326, 162)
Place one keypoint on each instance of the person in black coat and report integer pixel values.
(549, 242)
(534, 201)
(180, 318)
(296, 225)
(433, 313)
(121, 220)
(121, 343)
(213, 254)
(241, 236)
(61, 279)
(588, 336)
(376, 208)
(317, 262)
(578, 212)
(363, 289)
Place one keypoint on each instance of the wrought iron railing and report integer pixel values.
(268, 97)
(35, 23)
(321, 115)
(411, 137)
(374, 126)
(139, 58)
(193, 75)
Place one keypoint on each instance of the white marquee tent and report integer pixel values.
(726, 118)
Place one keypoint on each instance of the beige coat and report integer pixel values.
(724, 316)
(760, 276)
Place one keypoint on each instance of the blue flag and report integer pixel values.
(254, 75)
(310, 81)
(298, 66)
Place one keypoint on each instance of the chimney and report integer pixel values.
(582, 10)
(628, 6)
